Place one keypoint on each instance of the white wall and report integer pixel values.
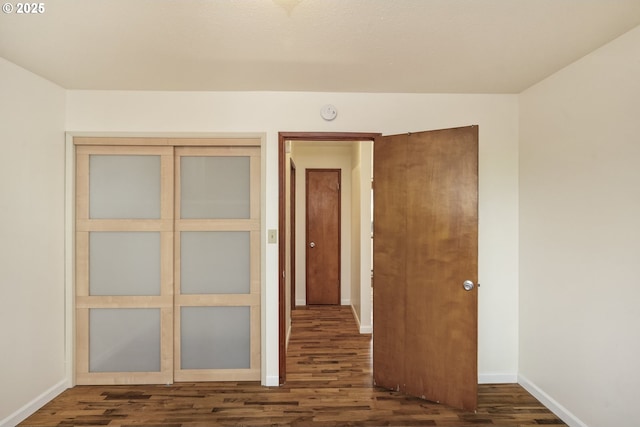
(579, 237)
(32, 242)
(354, 235)
(361, 259)
(286, 235)
(496, 115)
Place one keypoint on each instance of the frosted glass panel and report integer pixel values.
(214, 187)
(215, 337)
(214, 262)
(124, 187)
(124, 263)
(124, 340)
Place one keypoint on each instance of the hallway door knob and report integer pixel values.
(312, 244)
(468, 285)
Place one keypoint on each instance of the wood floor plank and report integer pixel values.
(329, 383)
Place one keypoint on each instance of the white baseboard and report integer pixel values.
(563, 413)
(272, 381)
(288, 335)
(301, 302)
(355, 315)
(345, 301)
(362, 329)
(495, 378)
(366, 329)
(31, 407)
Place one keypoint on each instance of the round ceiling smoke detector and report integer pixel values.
(328, 112)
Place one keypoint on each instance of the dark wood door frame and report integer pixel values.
(282, 303)
(292, 227)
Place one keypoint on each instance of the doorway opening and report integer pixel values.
(286, 139)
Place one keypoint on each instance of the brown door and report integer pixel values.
(323, 236)
(425, 248)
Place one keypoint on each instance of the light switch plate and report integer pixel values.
(272, 236)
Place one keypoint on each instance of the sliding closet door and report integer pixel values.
(124, 264)
(217, 263)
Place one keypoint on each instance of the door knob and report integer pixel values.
(468, 285)
(312, 244)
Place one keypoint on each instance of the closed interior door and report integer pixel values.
(323, 236)
(167, 262)
(425, 248)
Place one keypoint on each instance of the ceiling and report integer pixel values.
(413, 46)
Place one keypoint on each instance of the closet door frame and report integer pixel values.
(76, 363)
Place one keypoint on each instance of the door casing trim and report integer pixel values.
(283, 137)
(69, 234)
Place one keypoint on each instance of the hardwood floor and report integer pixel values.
(329, 383)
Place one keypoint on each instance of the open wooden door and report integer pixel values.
(425, 249)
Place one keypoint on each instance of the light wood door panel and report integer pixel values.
(220, 220)
(425, 247)
(323, 236)
(96, 357)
